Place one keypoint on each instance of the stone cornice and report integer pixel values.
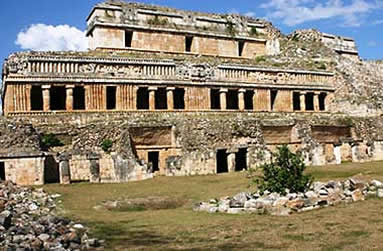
(121, 60)
(251, 68)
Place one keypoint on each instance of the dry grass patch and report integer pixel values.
(355, 226)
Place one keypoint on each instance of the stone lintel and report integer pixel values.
(93, 156)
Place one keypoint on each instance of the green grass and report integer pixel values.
(173, 225)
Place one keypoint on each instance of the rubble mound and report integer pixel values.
(320, 195)
(28, 222)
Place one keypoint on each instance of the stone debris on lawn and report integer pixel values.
(320, 195)
(27, 222)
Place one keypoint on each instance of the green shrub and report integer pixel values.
(106, 145)
(157, 21)
(322, 66)
(260, 59)
(253, 31)
(230, 28)
(284, 172)
(50, 140)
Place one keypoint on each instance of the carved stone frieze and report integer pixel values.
(114, 70)
(280, 77)
(17, 65)
(200, 72)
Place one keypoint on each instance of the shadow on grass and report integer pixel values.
(125, 237)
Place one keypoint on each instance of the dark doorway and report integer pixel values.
(36, 98)
(2, 171)
(58, 98)
(241, 160)
(309, 101)
(110, 97)
(249, 95)
(221, 164)
(188, 43)
(273, 94)
(297, 101)
(79, 98)
(179, 98)
(214, 99)
(241, 45)
(142, 98)
(232, 100)
(51, 171)
(322, 101)
(128, 39)
(161, 99)
(153, 159)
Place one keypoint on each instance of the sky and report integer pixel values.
(60, 24)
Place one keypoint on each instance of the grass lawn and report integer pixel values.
(356, 226)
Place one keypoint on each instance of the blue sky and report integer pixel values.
(58, 24)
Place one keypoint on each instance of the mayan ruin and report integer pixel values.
(168, 92)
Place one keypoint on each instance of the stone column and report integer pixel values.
(64, 169)
(316, 101)
(329, 98)
(303, 100)
(222, 98)
(255, 100)
(152, 98)
(170, 97)
(241, 99)
(94, 168)
(46, 97)
(69, 97)
(231, 162)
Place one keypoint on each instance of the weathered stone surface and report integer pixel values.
(28, 221)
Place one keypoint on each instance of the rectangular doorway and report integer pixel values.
(110, 97)
(241, 160)
(153, 158)
(221, 165)
(2, 171)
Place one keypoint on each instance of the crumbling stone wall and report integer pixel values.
(321, 139)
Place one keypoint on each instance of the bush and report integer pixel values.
(106, 145)
(230, 28)
(253, 31)
(284, 172)
(157, 21)
(50, 140)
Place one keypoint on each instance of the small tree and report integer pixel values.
(50, 140)
(106, 145)
(284, 172)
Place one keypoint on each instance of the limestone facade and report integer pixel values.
(176, 93)
(44, 83)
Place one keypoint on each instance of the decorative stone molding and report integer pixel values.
(200, 72)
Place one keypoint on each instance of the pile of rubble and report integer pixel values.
(27, 222)
(320, 195)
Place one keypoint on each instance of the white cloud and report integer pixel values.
(372, 44)
(293, 12)
(377, 22)
(250, 14)
(42, 37)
